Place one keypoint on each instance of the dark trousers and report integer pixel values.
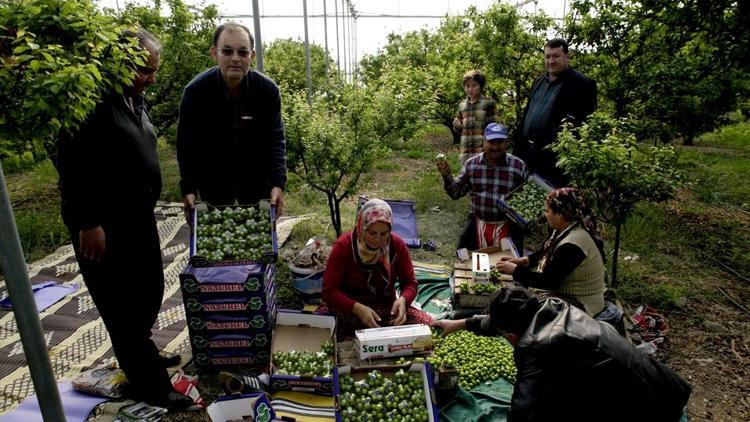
(127, 286)
(468, 238)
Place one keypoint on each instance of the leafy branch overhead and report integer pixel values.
(57, 59)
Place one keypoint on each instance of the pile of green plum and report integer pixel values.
(316, 364)
(380, 398)
(239, 233)
(477, 289)
(495, 274)
(476, 358)
(528, 201)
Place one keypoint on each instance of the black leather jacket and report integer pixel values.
(572, 367)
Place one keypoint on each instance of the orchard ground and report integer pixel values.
(689, 257)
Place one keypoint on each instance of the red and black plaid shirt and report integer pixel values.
(487, 184)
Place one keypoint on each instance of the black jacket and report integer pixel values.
(108, 165)
(575, 101)
(230, 151)
(572, 367)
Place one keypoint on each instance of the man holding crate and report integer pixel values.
(230, 137)
(486, 177)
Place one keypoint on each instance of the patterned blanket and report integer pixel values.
(75, 334)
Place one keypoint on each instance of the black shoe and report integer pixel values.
(172, 401)
(168, 360)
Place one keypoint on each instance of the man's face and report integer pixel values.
(494, 149)
(233, 55)
(555, 60)
(146, 75)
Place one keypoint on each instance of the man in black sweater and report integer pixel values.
(561, 93)
(230, 136)
(109, 183)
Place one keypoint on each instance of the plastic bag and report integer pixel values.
(313, 256)
(104, 381)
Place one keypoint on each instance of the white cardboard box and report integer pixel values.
(480, 267)
(392, 341)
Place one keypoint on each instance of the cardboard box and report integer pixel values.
(388, 371)
(480, 267)
(215, 323)
(462, 273)
(255, 407)
(205, 283)
(232, 357)
(198, 260)
(258, 340)
(400, 340)
(513, 215)
(299, 330)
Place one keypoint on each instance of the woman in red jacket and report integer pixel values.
(359, 284)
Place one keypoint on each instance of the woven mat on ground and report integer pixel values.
(75, 334)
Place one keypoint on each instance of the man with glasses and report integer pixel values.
(109, 183)
(230, 137)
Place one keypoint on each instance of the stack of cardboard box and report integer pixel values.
(230, 312)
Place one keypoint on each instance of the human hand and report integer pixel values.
(188, 203)
(523, 261)
(365, 314)
(449, 326)
(506, 267)
(92, 243)
(277, 199)
(458, 124)
(443, 167)
(398, 311)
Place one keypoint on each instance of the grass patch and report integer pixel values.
(35, 201)
(170, 172)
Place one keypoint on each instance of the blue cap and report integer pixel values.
(495, 131)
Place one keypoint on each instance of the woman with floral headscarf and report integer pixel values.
(571, 264)
(364, 266)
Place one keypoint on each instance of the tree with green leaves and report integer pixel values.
(676, 65)
(331, 147)
(284, 61)
(57, 59)
(604, 158)
(186, 36)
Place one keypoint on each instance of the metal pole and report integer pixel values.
(343, 38)
(258, 41)
(308, 73)
(13, 266)
(336, 15)
(325, 31)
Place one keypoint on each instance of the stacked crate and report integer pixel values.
(230, 311)
(228, 287)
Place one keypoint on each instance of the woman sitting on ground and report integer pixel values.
(571, 264)
(359, 285)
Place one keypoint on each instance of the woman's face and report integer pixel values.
(555, 220)
(377, 234)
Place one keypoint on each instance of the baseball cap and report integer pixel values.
(495, 131)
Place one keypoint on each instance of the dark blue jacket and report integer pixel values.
(231, 150)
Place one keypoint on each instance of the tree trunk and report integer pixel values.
(334, 215)
(615, 252)
(338, 216)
